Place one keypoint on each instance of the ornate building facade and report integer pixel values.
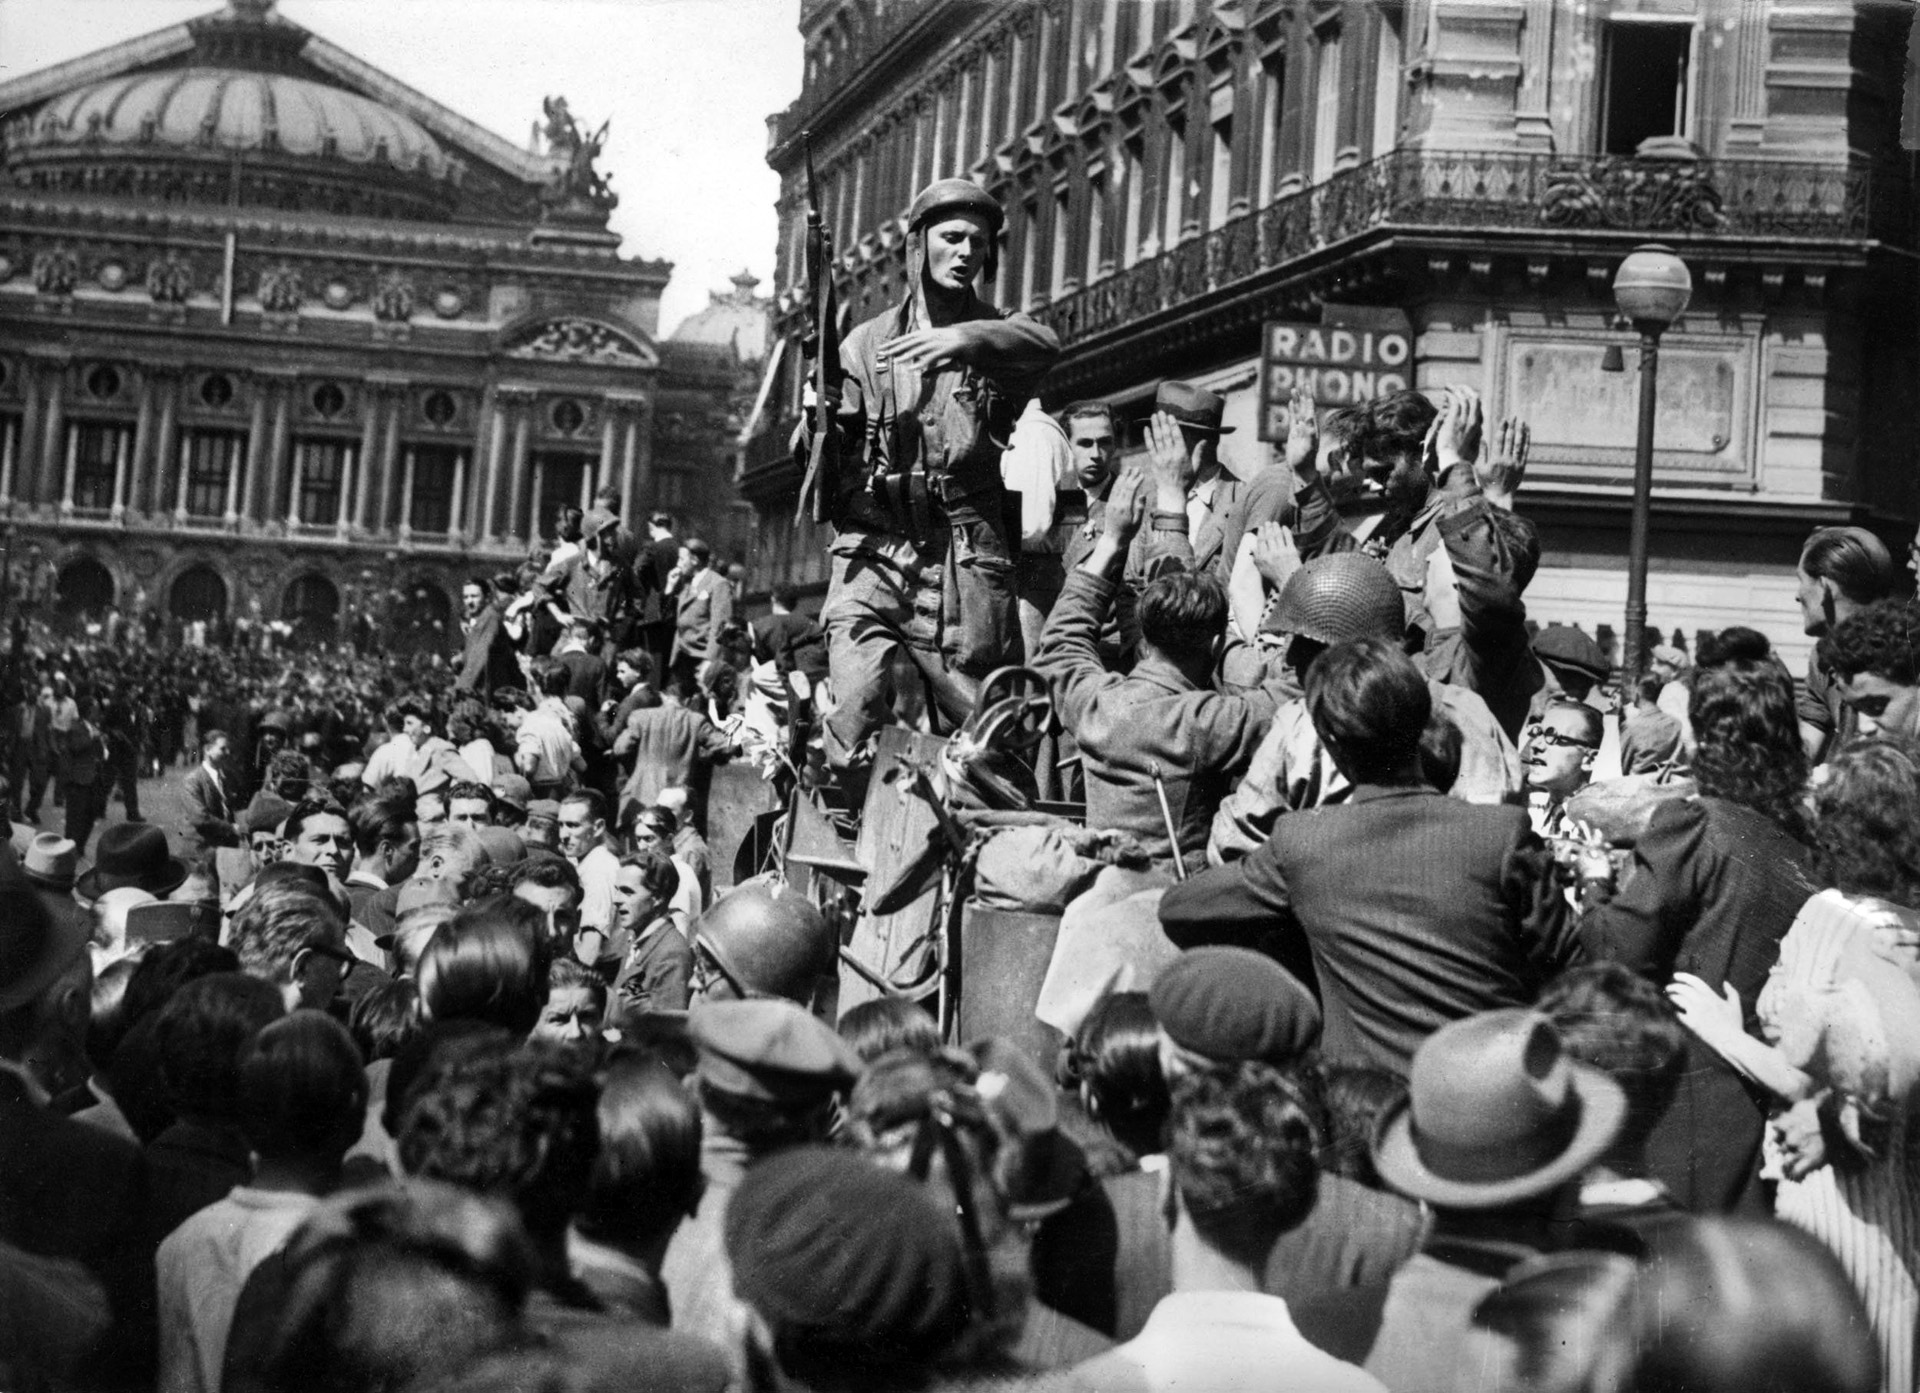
(282, 337)
(1178, 173)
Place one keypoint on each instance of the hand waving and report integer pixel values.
(1500, 471)
(1303, 431)
(1275, 555)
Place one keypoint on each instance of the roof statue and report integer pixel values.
(576, 191)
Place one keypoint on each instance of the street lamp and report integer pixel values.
(1651, 288)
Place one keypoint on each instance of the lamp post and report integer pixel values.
(1651, 288)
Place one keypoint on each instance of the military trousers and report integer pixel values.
(947, 604)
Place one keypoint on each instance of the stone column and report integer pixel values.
(403, 520)
(163, 449)
(389, 457)
(277, 462)
(517, 470)
(27, 462)
(490, 470)
(533, 501)
(126, 492)
(185, 467)
(234, 467)
(643, 436)
(364, 458)
(72, 467)
(9, 444)
(53, 445)
(257, 443)
(608, 434)
(349, 474)
(293, 490)
(122, 461)
(629, 470)
(456, 512)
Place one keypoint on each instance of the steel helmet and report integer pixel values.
(1346, 595)
(767, 939)
(944, 195)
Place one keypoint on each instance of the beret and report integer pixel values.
(769, 1049)
(1566, 646)
(264, 814)
(544, 807)
(502, 846)
(514, 789)
(1234, 1004)
(1667, 653)
(827, 1245)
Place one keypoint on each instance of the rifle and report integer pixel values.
(819, 488)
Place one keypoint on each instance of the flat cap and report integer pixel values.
(548, 808)
(503, 847)
(771, 1050)
(858, 1258)
(1565, 646)
(1234, 1004)
(514, 789)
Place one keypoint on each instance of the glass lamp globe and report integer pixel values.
(1652, 286)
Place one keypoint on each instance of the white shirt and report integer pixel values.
(598, 870)
(397, 759)
(1037, 458)
(1221, 1342)
(202, 1265)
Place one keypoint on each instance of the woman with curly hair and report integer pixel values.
(1843, 1014)
(1714, 883)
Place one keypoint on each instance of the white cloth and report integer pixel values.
(1221, 1342)
(598, 869)
(1037, 459)
(202, 1265)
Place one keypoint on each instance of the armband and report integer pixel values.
(1169, 522)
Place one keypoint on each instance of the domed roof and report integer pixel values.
(225, 110)
(736, 319)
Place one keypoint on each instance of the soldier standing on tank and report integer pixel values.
(923, 560)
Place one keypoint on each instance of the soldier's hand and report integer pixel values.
(1303, 430)
(1500, 471)
(1170, 461)
(926, 349)
(1275, 556)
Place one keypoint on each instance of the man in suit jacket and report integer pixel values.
(206, 799)
(487, 658)
(705, 604)
(1416, 909)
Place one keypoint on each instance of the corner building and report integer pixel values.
(282, 338)
(1178, 173)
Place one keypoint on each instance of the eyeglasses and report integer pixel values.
(1555, 740)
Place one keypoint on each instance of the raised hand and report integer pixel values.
(1500, 471)
(1170, 462)
(1456, 435)
(1275, 556)
(1303, 431)
(926, 349)
(1126, 509)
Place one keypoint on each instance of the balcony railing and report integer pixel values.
(1415, 189)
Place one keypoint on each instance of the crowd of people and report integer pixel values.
(1436, 1003)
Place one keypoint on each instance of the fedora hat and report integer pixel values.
(37, 942)
(1193, 407)
(132, 853)
(51, 861)
(1496, 1112)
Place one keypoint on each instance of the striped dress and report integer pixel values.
(1868, 1217)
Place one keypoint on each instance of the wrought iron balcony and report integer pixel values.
(1425, 189)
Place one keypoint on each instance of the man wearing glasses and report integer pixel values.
(1557, 762)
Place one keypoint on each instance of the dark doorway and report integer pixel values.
(422, 621)
(85, 590)
(198, 594)
(312, 606)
